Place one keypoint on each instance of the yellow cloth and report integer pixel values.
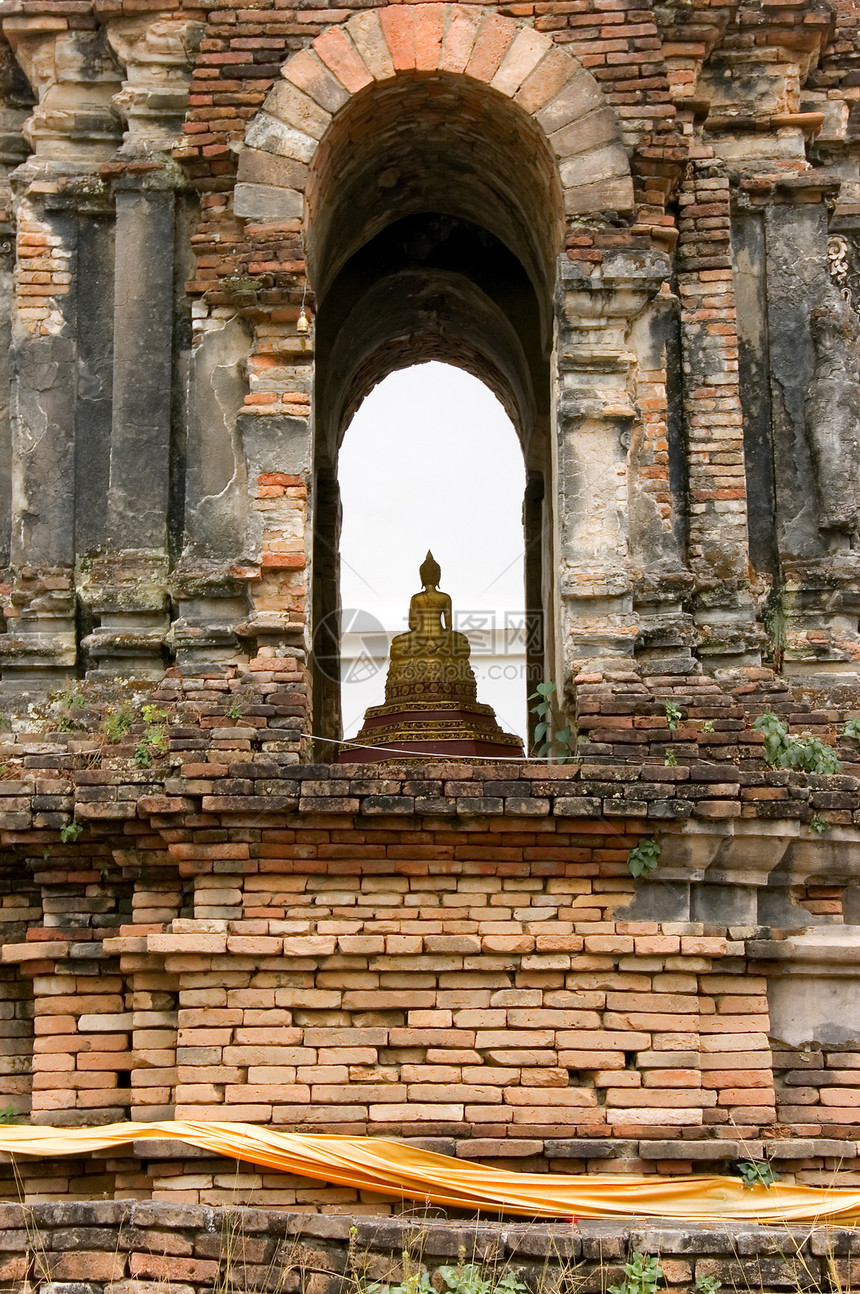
(405, 1173)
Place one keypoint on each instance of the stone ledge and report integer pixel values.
(165, 1148)
(712, 1151)
(441, 1237)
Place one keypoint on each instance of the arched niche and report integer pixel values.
(422, 244)
(434, 153)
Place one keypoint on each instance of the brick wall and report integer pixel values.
(452, 953)
(101, 1245)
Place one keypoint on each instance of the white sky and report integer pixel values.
(431, 460)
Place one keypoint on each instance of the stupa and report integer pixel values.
(431, 706)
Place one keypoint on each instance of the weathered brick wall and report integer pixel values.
(452, 952)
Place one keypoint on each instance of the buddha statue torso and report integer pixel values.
(431, 657)
(431, 703)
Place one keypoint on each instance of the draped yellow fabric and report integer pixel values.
(405, 1173)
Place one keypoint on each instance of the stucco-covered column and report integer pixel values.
(40, 639)
(800, 362)
(279, 458)
(127, 588)
(594, 417)
(242, 584)
(72, 131)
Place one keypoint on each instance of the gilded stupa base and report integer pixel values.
(391, 734)
(431, 708)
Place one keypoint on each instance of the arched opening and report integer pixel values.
(453, 478)
(434, 219)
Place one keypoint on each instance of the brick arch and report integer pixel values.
(289, 142)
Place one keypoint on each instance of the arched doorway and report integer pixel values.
(434, 212)
(421, 168)
(431, 458)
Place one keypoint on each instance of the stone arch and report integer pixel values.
(287, 144)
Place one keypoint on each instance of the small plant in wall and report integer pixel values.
(782, 750)
(154, 738)
(62, 707)
(490, 1277)
(416, 1282)
(674, 715)
(851, 728)
(70, 832)
(469, 1278)
(553, 738)
(818, 824)
(117, 722)
(644, 857)
(642, 1275)
(707, 1284)
(755, 1172)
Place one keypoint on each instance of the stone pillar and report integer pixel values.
(127, 587)
(243, 582)
(800, 369)
(743, 467)
(814, 353)
(594, 418)
(278, 453)
(15, 107)
(39, 645)
(658, 494)
(71, 130)
(207, 585)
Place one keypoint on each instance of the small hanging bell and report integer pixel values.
(303, 324)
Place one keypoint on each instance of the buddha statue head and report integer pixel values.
(430, 572)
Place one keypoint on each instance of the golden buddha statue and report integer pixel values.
(431, 707)
(429, 660)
